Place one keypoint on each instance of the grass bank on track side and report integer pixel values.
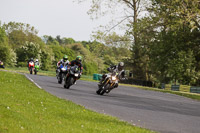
(24, 108)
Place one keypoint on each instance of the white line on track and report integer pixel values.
(32, 81)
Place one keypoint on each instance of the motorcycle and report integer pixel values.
(61, 71)
(72, 76)
(31, 67)
(36, 69)
(109, 83)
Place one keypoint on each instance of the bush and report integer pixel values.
(22, 64)
(90, 68)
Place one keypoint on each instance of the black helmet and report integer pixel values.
(65, 58)
(79, 59)
(121, 66)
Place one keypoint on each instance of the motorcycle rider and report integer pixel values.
(63, 61)
(115, 68)
(77, 62)
(30, 60)
(37, 62)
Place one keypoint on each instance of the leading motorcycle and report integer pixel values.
(71, 77)
(109, 83)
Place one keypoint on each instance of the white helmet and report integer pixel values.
(36, 60)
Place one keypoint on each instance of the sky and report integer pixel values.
(52, 17)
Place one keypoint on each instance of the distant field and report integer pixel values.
(24, 108)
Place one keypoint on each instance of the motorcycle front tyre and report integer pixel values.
(59, 79)
(68, 82)
(106, 87)
(35, 72)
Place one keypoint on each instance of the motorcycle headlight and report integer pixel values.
(114, 78)
(76, 74)
(63, 69)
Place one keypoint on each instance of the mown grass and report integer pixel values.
(24, 108)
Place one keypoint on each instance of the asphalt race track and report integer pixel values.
(162, 112)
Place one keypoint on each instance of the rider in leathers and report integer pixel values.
(30, 60)
(116, 68)
(78, 63)
(63, 61)
(37, 62)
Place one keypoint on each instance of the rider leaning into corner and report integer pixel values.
(116, 68)
(78, 63)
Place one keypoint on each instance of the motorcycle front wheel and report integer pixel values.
(31, 71)
(103, 89)
(60, 78)
(68, 82)
(35, 72)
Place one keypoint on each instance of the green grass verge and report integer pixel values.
(24, 108)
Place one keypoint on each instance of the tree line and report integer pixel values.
(161, 46)
(164, 35)
(19, 42)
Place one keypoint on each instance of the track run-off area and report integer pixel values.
(157, 111)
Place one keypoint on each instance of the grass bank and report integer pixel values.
(24, 108)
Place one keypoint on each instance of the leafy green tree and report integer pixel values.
(68, 40)
(174, 49)
(59, 39)
(49, 40)
(19, 33)
(47, 57)
(27, 51)
(7, 55)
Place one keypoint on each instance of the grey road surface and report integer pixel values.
(157, 111)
